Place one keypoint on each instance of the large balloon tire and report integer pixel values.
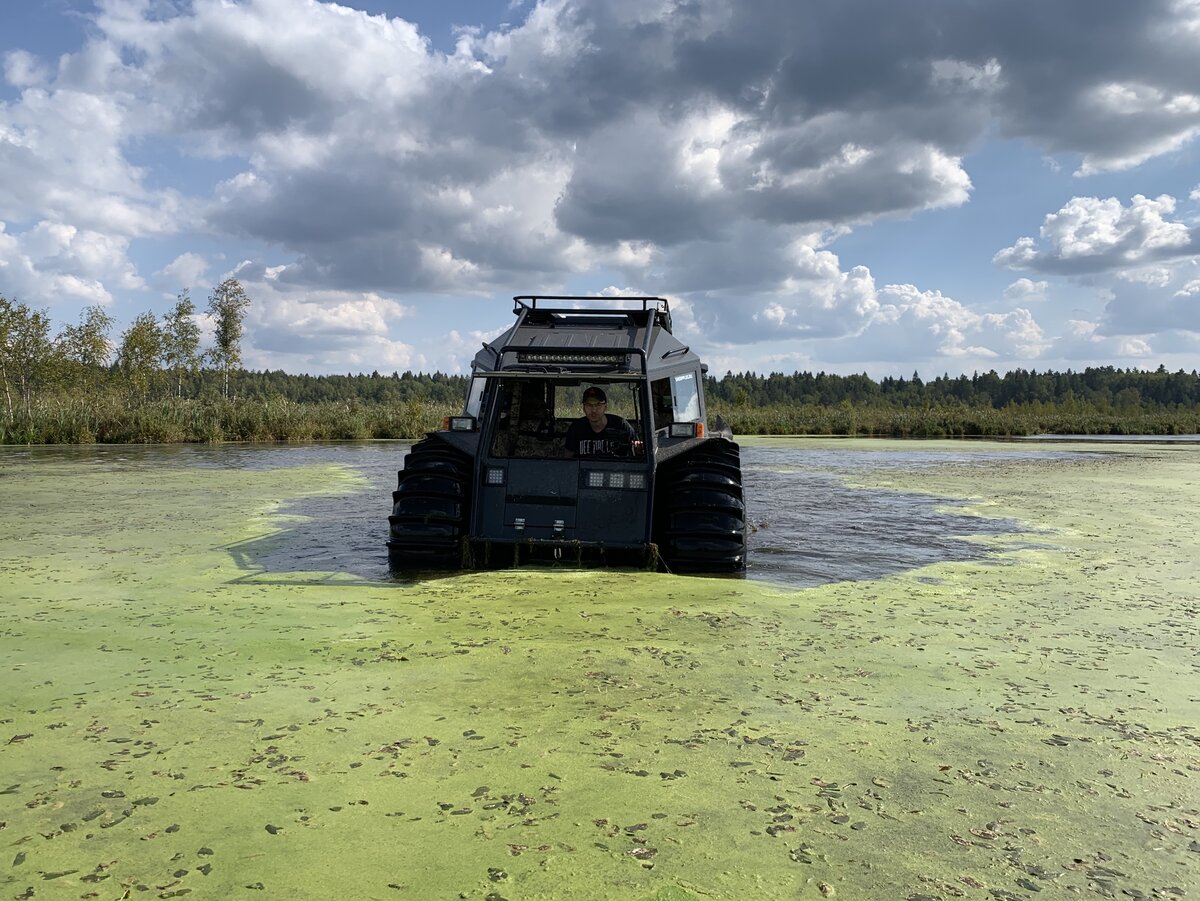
(701, 511)
(430, 509)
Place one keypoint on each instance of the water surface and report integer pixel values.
(808, 524)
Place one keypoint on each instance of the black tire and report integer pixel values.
(700, 511)
(430, 509)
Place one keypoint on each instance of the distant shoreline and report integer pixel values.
(68, 420)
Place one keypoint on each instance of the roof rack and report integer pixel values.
(524, 303)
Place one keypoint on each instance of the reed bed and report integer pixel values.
(69, 420)
(956, 421)
(112, 419)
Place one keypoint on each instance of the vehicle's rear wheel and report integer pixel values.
(430, 509)
(701, 511)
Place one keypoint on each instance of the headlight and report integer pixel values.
(614, 479)
(495, 475)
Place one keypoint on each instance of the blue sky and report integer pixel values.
(838, 185)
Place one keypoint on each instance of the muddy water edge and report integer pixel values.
(182, 714)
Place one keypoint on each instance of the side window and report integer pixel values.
(505, 435)
(474, 397)
(685, 397)
(664, 405)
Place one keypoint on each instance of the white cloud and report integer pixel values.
(1154, 276)
(59, 265)
(188, 270)
(24, 70)
(1130, 105)
(1090, 234)
(63, 157)
(1085, 340)
(1025, 290)
(300, 330)
(919, 324)
(818, 302)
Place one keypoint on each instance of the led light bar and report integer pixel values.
(585, 358)
(462, 423)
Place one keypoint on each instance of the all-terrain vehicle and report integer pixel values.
(497, 485)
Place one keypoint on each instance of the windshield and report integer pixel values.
(533, 415)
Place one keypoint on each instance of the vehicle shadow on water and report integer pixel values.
(806, 526)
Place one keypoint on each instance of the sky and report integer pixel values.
(942, 186)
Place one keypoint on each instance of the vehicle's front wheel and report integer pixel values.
(430, 509)
(701, 511)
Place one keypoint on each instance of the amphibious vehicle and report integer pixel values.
(497, 486)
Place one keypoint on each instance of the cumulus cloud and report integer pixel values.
(63, 156)
(188, 270)
(914, 324)
(61, 266)
(853, 321)
(24, 70)
(1025, 290)
(319, 330)
(1094, 235)
(1085, 340)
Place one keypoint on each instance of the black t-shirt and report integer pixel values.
(613, 441)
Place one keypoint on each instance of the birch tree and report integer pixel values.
(227, 304)
(85, 347)
(181, 340)
(27, 355)
(140, 352)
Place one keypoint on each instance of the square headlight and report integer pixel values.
(495, 475)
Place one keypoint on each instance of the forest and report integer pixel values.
(155, 384)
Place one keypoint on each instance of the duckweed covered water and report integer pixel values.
(209, 687)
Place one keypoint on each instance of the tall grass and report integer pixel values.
(113, 418)
(956, 421)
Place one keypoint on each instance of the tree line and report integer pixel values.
(1103, 387)
(156, 383)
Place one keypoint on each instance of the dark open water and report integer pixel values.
(807, 526)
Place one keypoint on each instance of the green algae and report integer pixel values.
(173, 722)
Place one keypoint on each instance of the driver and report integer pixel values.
(599, 433)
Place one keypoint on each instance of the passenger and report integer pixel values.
(599, 433)
(535, 417)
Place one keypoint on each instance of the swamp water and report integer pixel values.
(208, 686)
